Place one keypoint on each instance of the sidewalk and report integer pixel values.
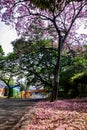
(12, 110)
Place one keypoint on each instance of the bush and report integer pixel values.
(79, 84)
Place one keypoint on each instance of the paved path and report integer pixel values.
(11, 110)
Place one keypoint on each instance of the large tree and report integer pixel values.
(37, 61)
(9, 68)
(62, 17)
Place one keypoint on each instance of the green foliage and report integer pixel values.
(1, 50)
(11, 81)
(39, 66)
(41, 44)
(79, 78)
(44, 4)
(51, 5)
(20, 46)
(38, 62)
(12, 56)
(79, 84)
(72, 77)
(1, 56)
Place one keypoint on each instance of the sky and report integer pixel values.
(7, 35)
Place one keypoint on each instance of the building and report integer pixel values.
(2, 88)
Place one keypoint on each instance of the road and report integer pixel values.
(11, 111)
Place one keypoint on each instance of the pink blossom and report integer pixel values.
(59, 115)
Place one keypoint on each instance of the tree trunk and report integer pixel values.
(54, 95)
(9, 94)
(55, 89)
(56, 81)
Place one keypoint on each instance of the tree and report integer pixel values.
(1, 51)
(37, 62)
(9, 68)
(58, 16)
(74, 62)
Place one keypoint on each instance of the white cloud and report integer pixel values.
(7, 35)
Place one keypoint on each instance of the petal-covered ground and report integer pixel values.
(59, 115)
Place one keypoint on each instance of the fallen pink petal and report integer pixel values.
(59, 115)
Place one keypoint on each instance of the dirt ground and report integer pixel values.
(12, 110)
